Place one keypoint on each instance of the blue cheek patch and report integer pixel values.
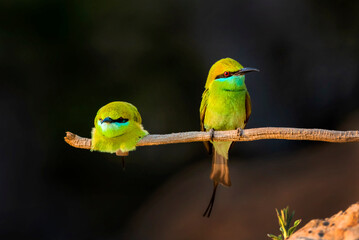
(115, 126)
(121, 125)
(233, 80)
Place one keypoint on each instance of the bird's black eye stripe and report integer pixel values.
(222, 75)
(120, 120)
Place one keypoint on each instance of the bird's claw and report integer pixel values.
(239, 133)
(211, 134)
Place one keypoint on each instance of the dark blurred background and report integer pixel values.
(60, 61)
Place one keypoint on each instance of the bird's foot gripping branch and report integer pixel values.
(232, 135)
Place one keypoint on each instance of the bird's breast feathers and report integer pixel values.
(226, 109)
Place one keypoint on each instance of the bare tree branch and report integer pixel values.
(234, 135)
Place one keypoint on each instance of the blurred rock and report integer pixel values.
(343, 225)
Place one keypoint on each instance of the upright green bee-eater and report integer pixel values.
(225, 105)
(117, 127)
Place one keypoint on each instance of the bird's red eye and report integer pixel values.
(226, 74)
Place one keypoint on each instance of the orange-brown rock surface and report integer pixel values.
(343, 225)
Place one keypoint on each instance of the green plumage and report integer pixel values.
(117, 127)
(225, 105)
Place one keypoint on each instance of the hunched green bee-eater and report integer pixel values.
(226, 105)
(117, 127)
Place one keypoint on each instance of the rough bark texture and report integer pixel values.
(234, 135)
(343, 225)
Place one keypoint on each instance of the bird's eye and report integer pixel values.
(226, 74)
(121, 120)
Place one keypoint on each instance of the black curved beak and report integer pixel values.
(108, 119)
(246, 70)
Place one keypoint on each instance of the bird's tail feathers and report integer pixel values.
(208, 211)
(220, 171)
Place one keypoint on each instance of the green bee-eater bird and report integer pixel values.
(225, 105)
(117, 127)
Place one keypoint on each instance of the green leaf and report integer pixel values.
(291, 230)
(272, 236)
(294, 227)
(284, 214)
(296, 223)
(275, 237)
(281, 221)
(279, 217)
(290, 220)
